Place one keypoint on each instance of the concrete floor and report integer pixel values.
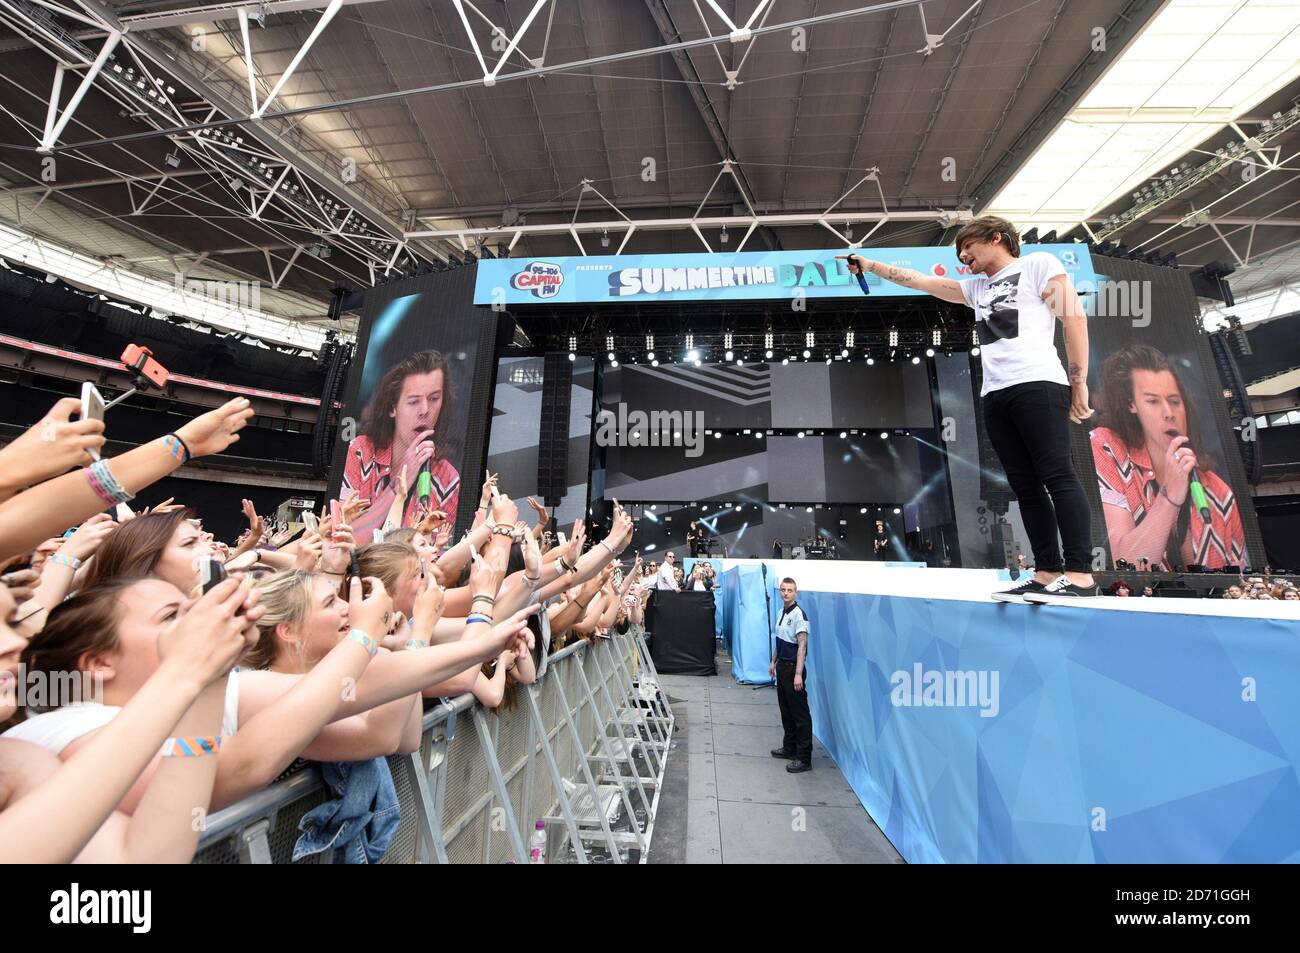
(727, 800)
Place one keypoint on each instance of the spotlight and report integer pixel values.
(697, 362)
(844, 353)
(611, 355)
(654, 363)
(692, 355)
(604, 239)
(929, 352)
(768, 353)
(884, 435)
(916, 359)
(871, 360)
(848, 338)
(897, 511)
(893, 338)
(726, 341)
(800, 434)
(609, 342)
(650, 355)
(613, 363)
(573, 342)
(807, 353)
(784, 361)
(572, 356)
(936, 338)
(767, 342)
(863, 510)
(173, 158)
(730, 354)
(975, 351)
(844, 434)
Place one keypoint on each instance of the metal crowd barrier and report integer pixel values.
(595, 721)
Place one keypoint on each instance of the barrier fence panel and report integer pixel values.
(583, 750)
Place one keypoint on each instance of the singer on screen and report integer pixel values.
(1148, 469)
(405, 425)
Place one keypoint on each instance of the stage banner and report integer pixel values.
(722, 277)
(977, 732)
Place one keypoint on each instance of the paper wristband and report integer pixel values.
(365, 641)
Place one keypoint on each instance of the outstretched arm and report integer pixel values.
(944, 288)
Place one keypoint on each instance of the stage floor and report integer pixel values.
(976, 585)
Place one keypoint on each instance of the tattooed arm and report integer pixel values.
(946, 289)
(1064, 302)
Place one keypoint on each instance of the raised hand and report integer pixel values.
(485, 577)
(216, 430)
(53, 444)
(89, 536)
(369, 613)
(310, 548)
(352, 507)
(206, 642)
(337, 552)
(428, 605)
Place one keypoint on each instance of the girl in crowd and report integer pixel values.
(55, 812)
(1145, 452)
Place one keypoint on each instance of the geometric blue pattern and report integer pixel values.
(1133, 723)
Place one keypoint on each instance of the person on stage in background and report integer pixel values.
(880, 541)
(695, 539)
(776, 548)
(787, 670)
(1028, 400)
(1145, 453)
(404, 426)
(667, 578)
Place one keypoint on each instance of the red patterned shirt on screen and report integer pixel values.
(366, 471)
(1126, 479)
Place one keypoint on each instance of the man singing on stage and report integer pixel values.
(1028, 401)
(787, 669)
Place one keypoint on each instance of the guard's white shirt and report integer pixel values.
(667, 578)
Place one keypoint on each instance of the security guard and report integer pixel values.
(787, 669)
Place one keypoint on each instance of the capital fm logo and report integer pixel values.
(542, 278)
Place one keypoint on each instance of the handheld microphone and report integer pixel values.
(424, 485)
(1194, 486)
(1198, 495)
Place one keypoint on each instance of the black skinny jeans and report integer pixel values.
(1029, 427)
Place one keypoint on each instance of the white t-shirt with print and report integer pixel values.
(1016, 327)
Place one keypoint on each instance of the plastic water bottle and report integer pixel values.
(537, 844)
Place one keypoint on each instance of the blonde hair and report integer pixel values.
(387, 561)
(285, 597)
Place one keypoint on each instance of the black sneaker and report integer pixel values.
(796, 767)
(783, 754)
(1017, 592)
(1061, 588)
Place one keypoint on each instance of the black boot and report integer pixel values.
(783, 754)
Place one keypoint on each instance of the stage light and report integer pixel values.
(758, 435)
(936, 338)
(848, 339)
(844, 353)
(844, 434)
(654, 363)
(613, 363)
(572, 356)
(649, 342)
(884, 435)
(730, 355)
(573, 342)
(652, 507)
(807, 354)
(809, 339)
(767, 341)
(929, 352)
(784, 361)
(808, 509)
(975, 351)
(863, 510)
(916, 359)
(706, 507)
(897, 511)
(611, 355)
(698, 362)
(740, 362)
(692, 355)
(690, 340)
(609, 342)
(828, 360)
(604, 239)
(768, 353)
(871, 360)
(650, 356)
(893, 338)
(726, 341)
(738, 507)
(717, 434)
(800, 434)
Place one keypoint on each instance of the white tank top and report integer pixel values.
(57, 729)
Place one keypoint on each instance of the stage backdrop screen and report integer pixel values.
(1159, 412)
(782, 397)
(418, 399)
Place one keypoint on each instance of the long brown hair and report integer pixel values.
(1117, 393)
(87, 622)
(388, 561)
(375, 420)
(135, 548)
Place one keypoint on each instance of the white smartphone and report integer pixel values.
(310, 521)
(92, 407)
(563, 541)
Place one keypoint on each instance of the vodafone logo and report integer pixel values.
(938, 269)
(542, 278)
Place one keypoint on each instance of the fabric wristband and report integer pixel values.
(191, 747)
(72, 562)
(105, 485)
(416, 644)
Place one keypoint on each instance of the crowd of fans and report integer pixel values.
(151, 674)
(1260, 587)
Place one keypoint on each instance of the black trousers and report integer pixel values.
(795, 717)
(1029, 428)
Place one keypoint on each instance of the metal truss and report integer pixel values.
(1170, 186)
(269, 179)
(827, 219)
